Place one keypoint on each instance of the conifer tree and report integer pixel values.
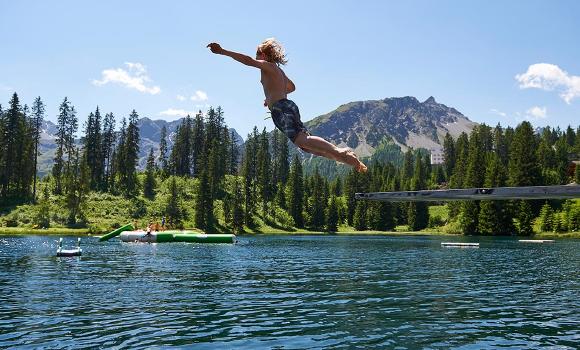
(93, 149)
(163, 163)
(332, 215)
(198, 144)
(108, 148)
(149, 184)
(418, 212)
(546, 218)
(174, 208)
(238, 211)
(495, 217)
(449, 154)
(38, 109)
(317, 202)
(296, 192)
(263, 171)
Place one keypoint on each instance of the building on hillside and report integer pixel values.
(437, 156)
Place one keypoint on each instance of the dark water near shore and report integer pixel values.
(289, 292)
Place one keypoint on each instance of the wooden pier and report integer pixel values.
(463, 194)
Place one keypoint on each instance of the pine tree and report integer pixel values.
(350, 188)
(474, 177)
(129, 156)
(37, 120)
(525, 218)
(449, 154)
(149, 184)
(524, 171)
(238, 211)
(495, 217)
(296, 192)
(418, 212)
(108, 148)
(263, 170)
(198, 144)
(359, 218)
(317, 202)
(546, 218)
(174, 208)
(234, 155)
(249, 174)
(332, 215)
(163, 163)
(93, 152)
(77, 184)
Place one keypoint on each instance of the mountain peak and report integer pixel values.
(363, 125)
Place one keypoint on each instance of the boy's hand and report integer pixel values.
(215, 47)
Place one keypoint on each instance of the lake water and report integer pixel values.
(291, 292)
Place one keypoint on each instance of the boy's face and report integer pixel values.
(260, 55)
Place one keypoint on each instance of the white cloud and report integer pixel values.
(172, 112)
(199, 96)
(5, 88)
(500, 113)
(181, 97)
(536, 113)
(550, 77)
(134, 78)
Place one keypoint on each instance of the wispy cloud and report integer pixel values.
(173, 112)
(5, 87)
(199, 96)
(536, 113)
(180, 98)
(134, 78)
(550, 77)
(500, 113)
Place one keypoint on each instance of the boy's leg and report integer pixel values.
(320, 146)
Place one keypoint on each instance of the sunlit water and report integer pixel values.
(289, 292)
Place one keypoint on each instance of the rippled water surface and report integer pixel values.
(288, 292)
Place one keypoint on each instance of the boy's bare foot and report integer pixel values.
(359, 166)
(349, 157)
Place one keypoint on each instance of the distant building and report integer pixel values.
(437, 156)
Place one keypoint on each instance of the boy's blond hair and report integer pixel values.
(273, 50)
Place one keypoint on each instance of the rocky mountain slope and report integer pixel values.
(362, 125)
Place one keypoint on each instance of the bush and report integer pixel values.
(435, 221)
(138, 208)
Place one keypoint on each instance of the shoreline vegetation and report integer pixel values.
(343, 231)
(199, 176)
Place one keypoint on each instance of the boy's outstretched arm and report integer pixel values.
(245, 59)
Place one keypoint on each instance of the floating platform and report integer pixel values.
(69, 252)
(497, 193)
(460, 245)
(175, 236)
(536, 241)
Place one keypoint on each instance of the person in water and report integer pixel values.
(285, 114)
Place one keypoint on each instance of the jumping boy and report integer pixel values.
(269, 56)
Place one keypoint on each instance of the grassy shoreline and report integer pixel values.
(343, 231)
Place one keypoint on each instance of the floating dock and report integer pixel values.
(497, 193)
(460, 245)
(536, 241)
(175, 236)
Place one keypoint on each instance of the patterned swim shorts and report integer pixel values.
(286, 117)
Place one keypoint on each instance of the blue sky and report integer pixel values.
(495, 61)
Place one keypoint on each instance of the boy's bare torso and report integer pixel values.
(274, 83)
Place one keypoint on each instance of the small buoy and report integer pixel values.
(69, 252)
(460, 245)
